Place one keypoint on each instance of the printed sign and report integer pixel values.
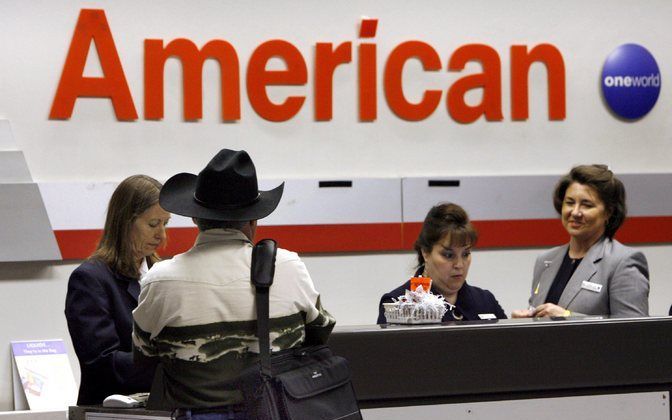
(42, 370)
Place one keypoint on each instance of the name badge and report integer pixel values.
(593, 287)
(487, 316)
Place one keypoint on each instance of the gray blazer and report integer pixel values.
(612, 279)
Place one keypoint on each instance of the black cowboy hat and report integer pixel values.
(226, 189)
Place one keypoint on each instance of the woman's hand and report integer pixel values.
(522, 313)
(549, 309)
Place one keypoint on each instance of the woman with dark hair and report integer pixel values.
(593, 274)
(444, 254)
(103, 291)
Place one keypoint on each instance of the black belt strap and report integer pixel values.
(262, 273)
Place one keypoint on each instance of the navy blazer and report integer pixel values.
(471, 301)
(98, 308)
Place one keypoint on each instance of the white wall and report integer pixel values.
(94, 145)
(34, 39)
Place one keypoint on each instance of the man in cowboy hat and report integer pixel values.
(196, 311)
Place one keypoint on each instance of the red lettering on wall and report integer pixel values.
(394, 92)
(258, 78)
(490, 81)
(326, 61)
(92, 26)
(367, 69)
(192, 76)
(521, 60)
(368, 99)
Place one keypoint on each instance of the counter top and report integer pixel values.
(461, 361)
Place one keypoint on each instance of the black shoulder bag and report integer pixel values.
(294, 384)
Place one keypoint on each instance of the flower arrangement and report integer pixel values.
(416, 307)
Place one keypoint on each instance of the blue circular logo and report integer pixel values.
(631, 81)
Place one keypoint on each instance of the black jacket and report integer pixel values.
(471, 301)
(98, 308)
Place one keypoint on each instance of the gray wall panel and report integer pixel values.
(13, 167)
(25, 231)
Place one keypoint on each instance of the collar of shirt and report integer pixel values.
(220, 235)
(144, 268)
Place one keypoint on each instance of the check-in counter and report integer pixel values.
(399, 367)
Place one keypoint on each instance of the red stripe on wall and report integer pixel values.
(309, 238)
(505, 233)
(549, 232)
(335, 238)
(78, 244)
(179, 240)
(646, 230)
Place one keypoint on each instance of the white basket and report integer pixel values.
(411, 313)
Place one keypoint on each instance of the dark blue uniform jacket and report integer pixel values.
(471, 301)
(98, 308)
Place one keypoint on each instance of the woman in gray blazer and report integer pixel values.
(593, 274)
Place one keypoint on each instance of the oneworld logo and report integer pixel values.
(630, 81)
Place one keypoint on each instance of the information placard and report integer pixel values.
(42, 373)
